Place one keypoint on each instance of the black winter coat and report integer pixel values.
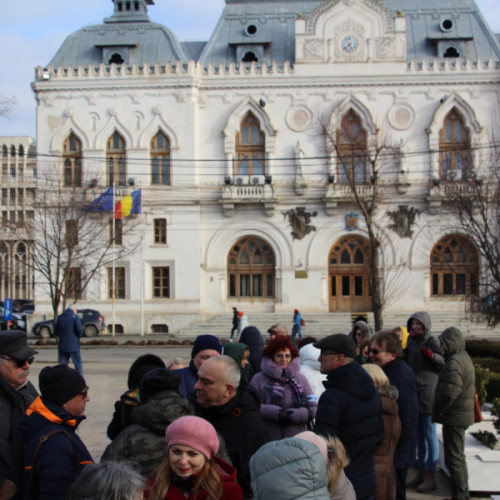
(58, 464)
(350, 409)
(243, 430)
(402, 376)
(13, 405)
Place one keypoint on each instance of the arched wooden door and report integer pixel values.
(349, 276)
(251, 269)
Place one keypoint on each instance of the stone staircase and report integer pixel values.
(322, 324)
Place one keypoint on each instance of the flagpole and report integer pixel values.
(142, 278)
(113, 278)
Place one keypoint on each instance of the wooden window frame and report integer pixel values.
(160, 231)
(120, 283)
(116, 160)
(253, 151)
(351, 146)
(160, 280)
(160, 155)
(72, 162)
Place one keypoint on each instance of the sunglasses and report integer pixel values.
(376, 351)
(19, 362)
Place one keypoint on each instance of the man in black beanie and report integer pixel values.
(204, 347)
(54, 453)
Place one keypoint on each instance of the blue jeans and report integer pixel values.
(76, 358)
(296, 329)
(427, 442)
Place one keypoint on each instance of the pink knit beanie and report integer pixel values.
(194, 432)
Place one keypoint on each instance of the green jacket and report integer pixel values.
(454, 396)
(143, 442)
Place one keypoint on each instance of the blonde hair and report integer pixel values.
(208, 480)
(337, 460)
(377, 374)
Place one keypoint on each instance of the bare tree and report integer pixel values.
(72, 243)
(365, 165)
(475, 203)
(6, 104)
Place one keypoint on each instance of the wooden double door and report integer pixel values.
(349, 276)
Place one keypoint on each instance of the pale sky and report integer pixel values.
(31, 32)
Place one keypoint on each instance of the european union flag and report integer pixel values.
(103, 203)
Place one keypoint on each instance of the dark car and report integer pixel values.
(92, 321)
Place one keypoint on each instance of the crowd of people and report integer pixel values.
(342, 417)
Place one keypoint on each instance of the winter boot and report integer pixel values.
(429, 483)
(416, 480)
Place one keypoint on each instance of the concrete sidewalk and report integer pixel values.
(106, 370)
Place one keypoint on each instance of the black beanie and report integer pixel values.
(58, 384)
(158, 380)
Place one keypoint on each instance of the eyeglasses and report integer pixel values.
(19, 362)
(376, 351)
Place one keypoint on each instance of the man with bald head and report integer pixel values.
(16, 395)
(234, 412)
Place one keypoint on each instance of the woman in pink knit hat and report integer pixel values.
(191, 471)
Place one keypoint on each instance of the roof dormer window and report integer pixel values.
(250, 57)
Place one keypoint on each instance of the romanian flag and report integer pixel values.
(130, 204)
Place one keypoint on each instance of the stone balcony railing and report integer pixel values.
(443, 192)
(241, 194)
(340, 193)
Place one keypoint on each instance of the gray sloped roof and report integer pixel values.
(267, 28)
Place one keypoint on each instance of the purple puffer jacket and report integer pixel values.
(299, 417)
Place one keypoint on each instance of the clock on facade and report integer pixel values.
(349, 43)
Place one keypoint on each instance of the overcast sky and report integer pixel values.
(31, 31)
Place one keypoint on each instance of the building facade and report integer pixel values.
(18, 181)
(243, 149)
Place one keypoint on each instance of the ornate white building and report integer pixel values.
(18, 181)
(244, 201)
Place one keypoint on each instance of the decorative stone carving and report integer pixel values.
(401, 116)
(299, 118)
(403, 220)
(313, 49)
(300, 222)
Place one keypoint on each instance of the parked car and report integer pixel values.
(18, 322)
(21, 306)
(92, 321)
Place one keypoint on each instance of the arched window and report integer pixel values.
(349, 271)
(160, 159)
(351, 145)
(5, 161)
(454, 267)
(454, 148)
(250, 147)
(72, 160)
(116, 160)
(250, 268)
(250, 57)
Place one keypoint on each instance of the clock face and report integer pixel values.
(350, 43)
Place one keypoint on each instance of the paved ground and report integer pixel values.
(106, 369)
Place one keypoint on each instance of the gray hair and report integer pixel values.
(231, 374)
(108, 481)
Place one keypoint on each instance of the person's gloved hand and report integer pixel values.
(427, 352)
(284, 417)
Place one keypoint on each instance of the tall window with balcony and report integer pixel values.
(160, 159)
(351, 150)
(251, 269)
(454, 267)
(250, 148)
(116, 160)
(72, 160)
(454, 148)
(118, 283)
